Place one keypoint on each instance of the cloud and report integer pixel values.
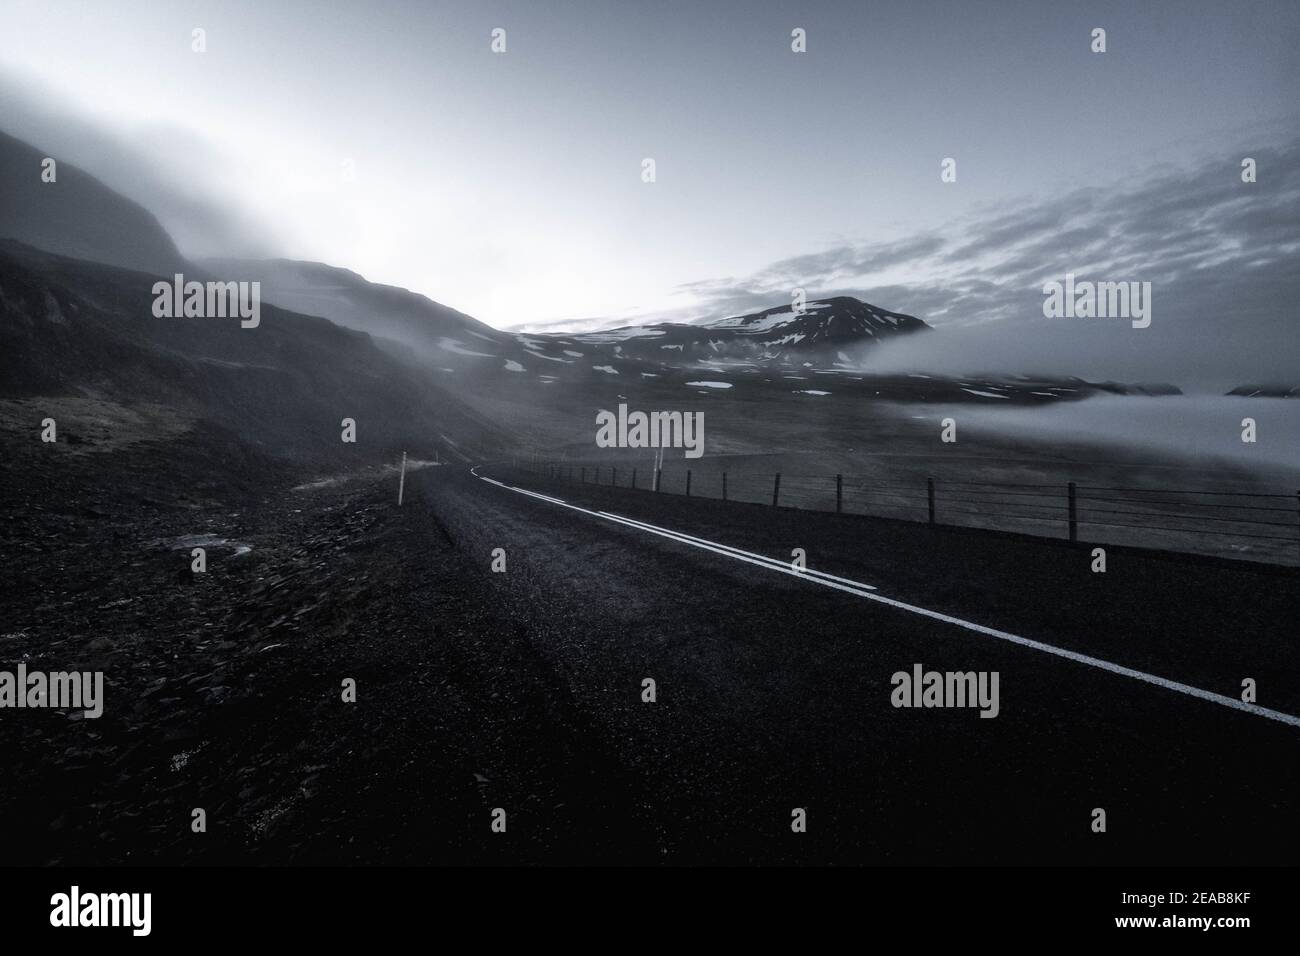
(1223, 257)
(1174, 226)
(845, 262)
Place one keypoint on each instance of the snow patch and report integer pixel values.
(753, 324)
(455, 345)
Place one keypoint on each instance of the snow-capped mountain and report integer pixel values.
(824, 322)
(777, 336)
(816, 352)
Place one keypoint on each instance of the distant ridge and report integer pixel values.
(348, 299)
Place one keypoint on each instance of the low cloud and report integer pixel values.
(157, 166)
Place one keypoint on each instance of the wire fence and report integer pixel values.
(1257, 525)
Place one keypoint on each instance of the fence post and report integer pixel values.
(583, 476)
(776, 489)
(724, 486)
(596, 478)
(633, 477)
(688, 482)
(929, 492)
(1074, 514)
(839, 493)
(659, 474)
(613, 476)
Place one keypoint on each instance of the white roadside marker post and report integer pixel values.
(401, 483)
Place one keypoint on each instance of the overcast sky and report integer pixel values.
(509, 185)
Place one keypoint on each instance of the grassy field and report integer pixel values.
(1131, 493)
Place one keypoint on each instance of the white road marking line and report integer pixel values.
(690, 538)
(770, 563)
(859, 589)
(725, 550)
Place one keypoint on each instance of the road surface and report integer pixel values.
(1119, 691)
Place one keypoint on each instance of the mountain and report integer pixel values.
(773, 353)
(451, 343)
(79, 342)
(433, 331)
(82, 335)
(417, 342)
(77, 215)
(778, 336)
(830, 334)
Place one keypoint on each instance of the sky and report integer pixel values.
(387, 137)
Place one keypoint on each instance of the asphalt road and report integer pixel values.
(774, 690)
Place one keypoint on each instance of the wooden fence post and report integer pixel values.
(1074, 514)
